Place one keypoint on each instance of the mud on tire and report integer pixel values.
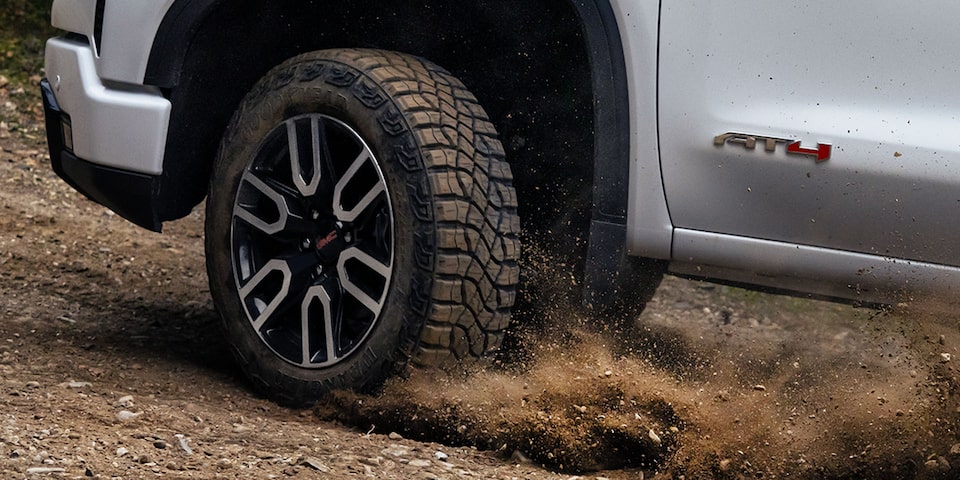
(361, 216)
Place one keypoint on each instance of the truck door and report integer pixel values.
(831, 124)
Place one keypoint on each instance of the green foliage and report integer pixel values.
(24, 28)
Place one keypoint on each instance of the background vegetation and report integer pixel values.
(24, 28)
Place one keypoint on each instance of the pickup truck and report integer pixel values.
(366, 165)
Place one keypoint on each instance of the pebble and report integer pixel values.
(955, 449)
(419, 463)
(122, 451)
(396, 451)
(42, 470)
(520, 457)
(127, 415)
(183, 443)
(77, 384)
(760, 388)
(945, 357)
(937, 464)
(653, 436)
(316, 464)
(441, 456)
(125, 401)
(160, 444)
(395, 436)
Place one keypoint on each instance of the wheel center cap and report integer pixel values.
(324, 242)
(329, 245)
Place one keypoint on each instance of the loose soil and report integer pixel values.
(111, 366)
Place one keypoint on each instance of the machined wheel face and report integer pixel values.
(312, 239)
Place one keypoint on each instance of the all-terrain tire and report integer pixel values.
(406, 251)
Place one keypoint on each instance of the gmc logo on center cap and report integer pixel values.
(749, 141)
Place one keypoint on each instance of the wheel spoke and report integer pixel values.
(365, 270)
(306, 187)
(318, 293)
(262, 294)
(253, 214)
(350, 214)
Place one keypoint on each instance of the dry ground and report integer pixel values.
(111, 366)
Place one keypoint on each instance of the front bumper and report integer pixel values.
(106, 140)
(130, 194)
(120, 126)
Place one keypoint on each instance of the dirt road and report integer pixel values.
(111, 366)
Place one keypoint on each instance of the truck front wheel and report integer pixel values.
(360, 215)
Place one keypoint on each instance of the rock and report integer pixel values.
(520, 457)
(395, 436)
(4, 81)
(760, 388)
(122, 451)
(396, 451)
(654, 437)
(419, 463)
(955, 449)
(725, 465)
(127, 415)
(945, 357)
(441, 456)
(937, 464)
(942, 340)
(183, 443)
(44, 470)
(72, 384)
(160, 444)
(125, 401)
(31, 385)
(315, 464)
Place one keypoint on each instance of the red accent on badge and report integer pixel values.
(323, 242)
(822, 152)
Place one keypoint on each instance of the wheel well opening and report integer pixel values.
(527, 64)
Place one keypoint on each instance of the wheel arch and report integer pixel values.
(197, 32)
(551, 74)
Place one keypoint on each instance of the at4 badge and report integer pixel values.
(821, 152)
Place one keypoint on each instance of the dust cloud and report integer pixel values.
(711, 382)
